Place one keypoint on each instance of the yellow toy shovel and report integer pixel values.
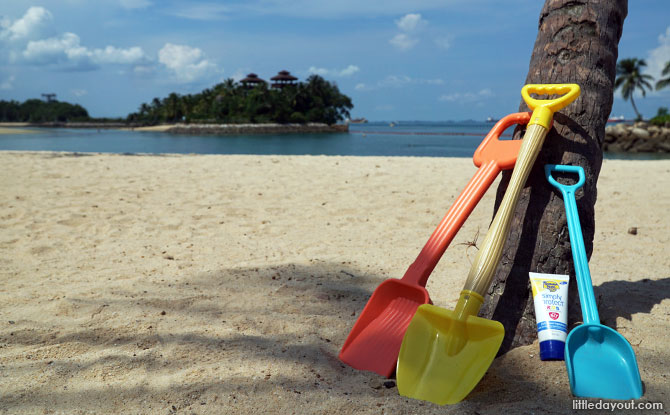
(445, 353)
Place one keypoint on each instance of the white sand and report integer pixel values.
(15, 130)
(158, 128)
(227, 284)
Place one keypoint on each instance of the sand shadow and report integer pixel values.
(325, 298)
(309, 312)
(625, 298)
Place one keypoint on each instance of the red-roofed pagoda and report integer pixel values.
(282, 79)
(251, 80)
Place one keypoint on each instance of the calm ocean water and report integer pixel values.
(372, 139)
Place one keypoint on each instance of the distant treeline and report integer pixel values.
(315, 100)
(36, 110)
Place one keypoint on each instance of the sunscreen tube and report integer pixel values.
(550, 294)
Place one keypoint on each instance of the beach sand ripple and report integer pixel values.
(227, 284)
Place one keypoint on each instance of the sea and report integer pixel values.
(409, 138)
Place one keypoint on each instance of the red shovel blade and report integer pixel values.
(375, 339)
(374, 342)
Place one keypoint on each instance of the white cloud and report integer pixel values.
(30, 26)
(8, 83)
(318, 71)
(135, 4)
(67, 50)
(658, 56)
(403, 41)
(54, 50)
(144, 70)
(467, 96)
(26, 41)
(342, 73)
(443, 42)
(342, 8)
(398, 81)
(238, 75)
(201, 11)
(395, 81)
(187, 64)
(410, 22)
(111, 54)
(486, 93)
(349, 70)
(79, 92)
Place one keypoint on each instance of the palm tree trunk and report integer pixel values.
(577, 42)
(632, 101)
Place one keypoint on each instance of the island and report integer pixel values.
(250, 106)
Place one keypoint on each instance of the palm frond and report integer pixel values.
(666, 69)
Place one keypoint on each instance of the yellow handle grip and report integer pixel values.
(544, 109)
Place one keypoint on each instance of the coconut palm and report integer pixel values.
(541, 239)
(630, 77)
(665, 82)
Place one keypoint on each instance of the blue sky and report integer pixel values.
(398, 60)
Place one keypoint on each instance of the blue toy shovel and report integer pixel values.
(600, 362)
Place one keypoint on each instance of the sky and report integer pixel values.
(431, 60)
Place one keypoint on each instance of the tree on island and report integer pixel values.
(630, 77)
(665, 82)
(315, 100)
(38, 111)
(577, 42)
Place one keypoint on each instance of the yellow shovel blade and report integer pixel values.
(443, 358)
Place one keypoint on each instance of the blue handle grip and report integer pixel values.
(584, 284)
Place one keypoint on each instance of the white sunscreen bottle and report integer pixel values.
(550, 294)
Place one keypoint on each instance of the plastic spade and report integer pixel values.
(600, 362)
(445, 353)
(374, 341)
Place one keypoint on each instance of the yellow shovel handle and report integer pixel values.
(544, 109)
(488, 256)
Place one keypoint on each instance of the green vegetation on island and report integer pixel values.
(38, 111)
(230, 102)
(314, 101)
(662, 117)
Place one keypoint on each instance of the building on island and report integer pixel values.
(282, 79)
(251, 80)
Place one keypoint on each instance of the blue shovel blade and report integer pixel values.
(601, 364)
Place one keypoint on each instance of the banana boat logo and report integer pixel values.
(550, 285)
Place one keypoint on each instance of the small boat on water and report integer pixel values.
(358, 121)
(620, 118)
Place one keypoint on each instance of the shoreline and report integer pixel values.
(621, 138)
(16, 130)
(195, 129)
(266, 128)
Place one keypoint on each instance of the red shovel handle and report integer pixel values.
(502, 152)
(491, 157)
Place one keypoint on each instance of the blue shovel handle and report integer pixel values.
(584, 284)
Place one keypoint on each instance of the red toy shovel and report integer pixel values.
(374, 341)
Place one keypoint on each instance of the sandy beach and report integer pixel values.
(15, 128)
(227, 284)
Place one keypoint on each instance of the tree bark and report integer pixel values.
(577, 42)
